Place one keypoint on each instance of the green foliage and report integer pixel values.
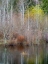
(14, 4)
(35, 12)
(31, 3)
(45, 6)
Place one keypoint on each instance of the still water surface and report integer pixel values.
(12, 54)
(18, 55)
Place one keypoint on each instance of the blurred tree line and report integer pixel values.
(27, 3)
(30, 3)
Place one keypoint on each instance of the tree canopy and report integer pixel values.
(45, 6)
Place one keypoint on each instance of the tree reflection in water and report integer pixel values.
(11, 55)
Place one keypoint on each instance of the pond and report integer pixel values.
(21, 55)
